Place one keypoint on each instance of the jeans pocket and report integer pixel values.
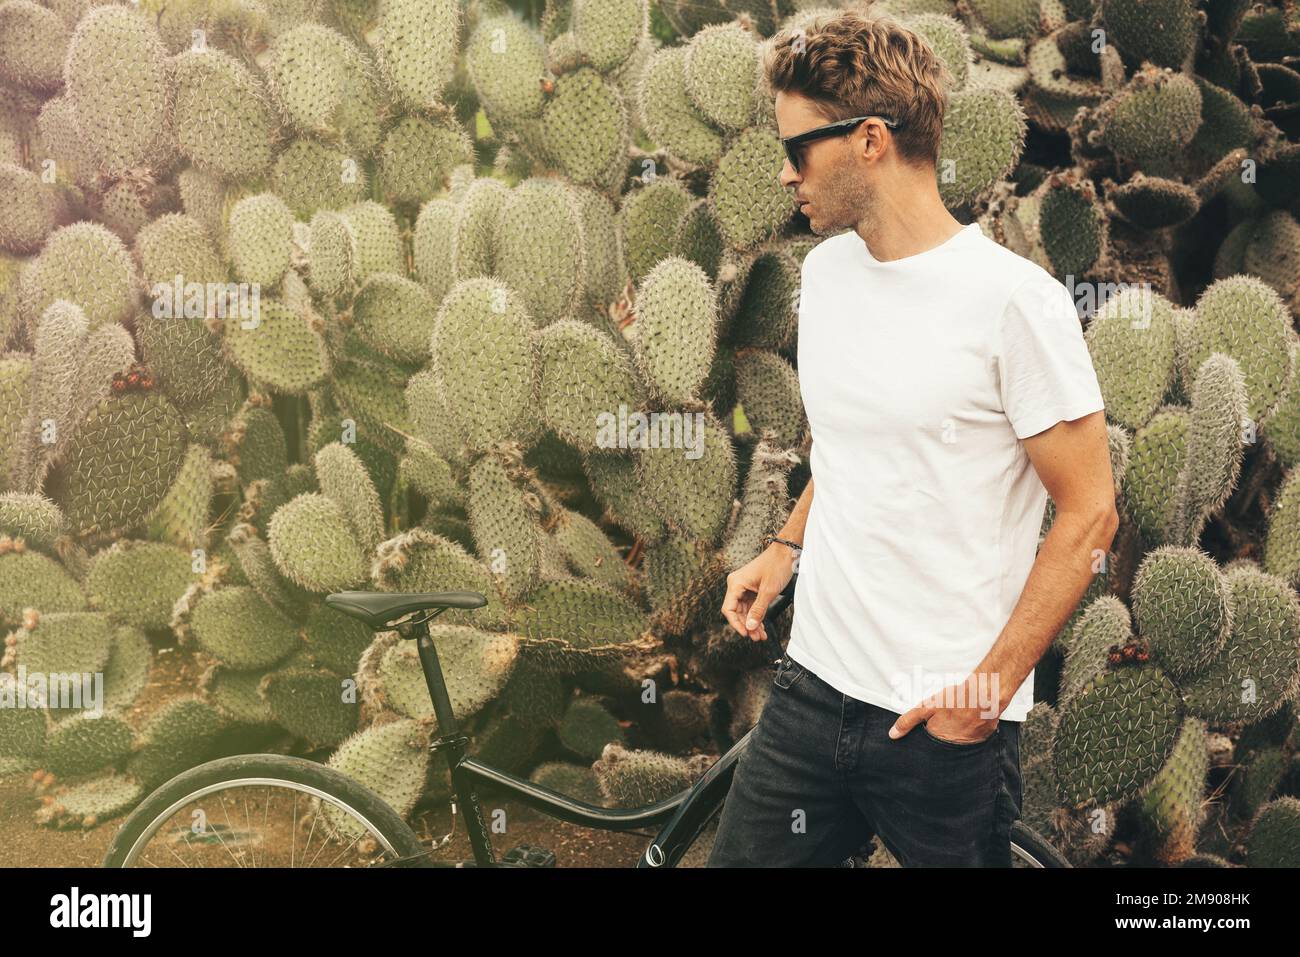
(787, 673)
(958, 745)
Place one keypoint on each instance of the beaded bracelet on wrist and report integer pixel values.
(769, 539)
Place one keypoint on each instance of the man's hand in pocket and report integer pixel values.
(956, 714)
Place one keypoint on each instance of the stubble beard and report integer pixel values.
(848, 202)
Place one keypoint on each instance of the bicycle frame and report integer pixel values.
(680, 817)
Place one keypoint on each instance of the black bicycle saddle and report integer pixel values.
(381, 609)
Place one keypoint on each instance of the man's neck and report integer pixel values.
(907, 221)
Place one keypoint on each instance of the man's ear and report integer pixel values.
(872, 146)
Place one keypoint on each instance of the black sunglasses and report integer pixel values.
(793, 144)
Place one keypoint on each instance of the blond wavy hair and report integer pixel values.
(855, 64)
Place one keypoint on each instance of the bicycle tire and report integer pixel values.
(395, 836)
(1037, 850)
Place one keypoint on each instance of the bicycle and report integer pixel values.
(375, 834)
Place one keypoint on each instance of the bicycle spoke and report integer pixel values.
(267, 809)
(177, 856)
(314, 818)
(346, 849)
(219, 838)
(249, 827)
(346, 835)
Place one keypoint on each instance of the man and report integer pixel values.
(949, 391)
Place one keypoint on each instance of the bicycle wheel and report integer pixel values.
(1029, 849)
(263, 810)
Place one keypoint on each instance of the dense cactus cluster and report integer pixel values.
(298, 297)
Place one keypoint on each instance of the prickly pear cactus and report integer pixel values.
(465, 295)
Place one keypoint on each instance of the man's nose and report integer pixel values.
(789, 176)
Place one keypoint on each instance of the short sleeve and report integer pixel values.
(1045, 373)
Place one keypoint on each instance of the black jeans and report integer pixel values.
(821, 776)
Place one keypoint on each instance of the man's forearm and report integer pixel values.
(1069, 556)
(794, 526)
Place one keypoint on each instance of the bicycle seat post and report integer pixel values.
(447, 727)
(449, 736)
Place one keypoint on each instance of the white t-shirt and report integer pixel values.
(919, 378)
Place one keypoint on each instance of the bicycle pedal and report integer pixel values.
(528, 855)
